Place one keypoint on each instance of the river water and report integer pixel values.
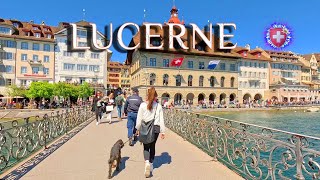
(297, 121)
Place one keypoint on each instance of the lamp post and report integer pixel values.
(96, 72)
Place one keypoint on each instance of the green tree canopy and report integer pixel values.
(40, 89)
(85, 90)
(15, 90)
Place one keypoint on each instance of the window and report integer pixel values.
(155, 41)
(201, 81)
(8, 82)
(152, 79)
(82, 80)
(68, 79)
(23, 70)
(36, 47)
(67, 66)
(153, 62)
(49, 36)
(35, 57)
(81, 54)
(201, 65)
(82, 33)
(9, 69)
(245, 74)
(246, 64)
(35, 70)
(66, 53)
(24, 45)
(24, 57)
(264, 65)
(82, 44)
(165, 62)
(23, 82)
(240, 84)
(232, 67)
(6, 55)
(222, 82)
(46, 71)
(37, 35)
(190, 64)
(222, 66)
(94, 55)
(190, 80)
(82, 67)
(264, 85)
(255, 64)
(232, 82)
(46, 58)
(212, 81)
(5, 30)
(46, 47)
(178, 80)
(94, 68)
(165, 80)
(8, 43)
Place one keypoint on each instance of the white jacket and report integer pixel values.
(144, 115)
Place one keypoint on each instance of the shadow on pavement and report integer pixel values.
(122, 166)
(164, 158)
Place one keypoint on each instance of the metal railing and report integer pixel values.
(21, 138)
(252, 151)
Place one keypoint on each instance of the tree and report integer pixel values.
(40, 89)
(85, 90)
(14, 90)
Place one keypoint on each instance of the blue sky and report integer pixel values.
(252, 17)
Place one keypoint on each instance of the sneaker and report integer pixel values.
(97, 123)
(110, 122)
(147, 169)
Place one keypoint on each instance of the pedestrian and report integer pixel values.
(131, 108)
(109, 108)
(119, 103)
(97, 107)
(149, 111)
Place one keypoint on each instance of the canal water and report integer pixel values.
(296, 121)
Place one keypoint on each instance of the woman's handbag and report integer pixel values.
(147, 130)
(109, 108)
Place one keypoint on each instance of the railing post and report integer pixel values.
(215, 140)
(299, 158)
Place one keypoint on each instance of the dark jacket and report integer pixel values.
(132, 104)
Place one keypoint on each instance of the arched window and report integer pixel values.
(178, 80)
(152, 79)
(222, 82)
(212, 81)
(190, 80)
(165, 80)
(201, 81)
(232, 82)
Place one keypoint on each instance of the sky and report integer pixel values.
(252, 17)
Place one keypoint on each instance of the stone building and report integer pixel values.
(193, 81)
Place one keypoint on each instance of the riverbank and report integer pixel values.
(284, 108)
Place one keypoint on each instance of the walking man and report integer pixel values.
(131, 108)
(119, 102)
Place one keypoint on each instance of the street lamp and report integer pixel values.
(96, 72)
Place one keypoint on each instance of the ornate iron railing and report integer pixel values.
(21, 138)
(253, 151)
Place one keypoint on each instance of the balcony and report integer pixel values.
(35, 62)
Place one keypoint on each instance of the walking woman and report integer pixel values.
(148, 111)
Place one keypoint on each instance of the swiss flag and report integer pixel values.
(177, 61)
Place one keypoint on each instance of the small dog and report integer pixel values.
(115, 156)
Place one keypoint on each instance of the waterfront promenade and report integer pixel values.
(85, 157)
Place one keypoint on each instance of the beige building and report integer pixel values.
(114, 75)
(125, 77)
(253, 80)
(193, 81)
(34, 51)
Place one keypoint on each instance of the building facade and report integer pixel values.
(253, 80)
(125, 77)
(80, 66)
(114, 75)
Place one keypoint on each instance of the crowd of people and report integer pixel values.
(138, 112)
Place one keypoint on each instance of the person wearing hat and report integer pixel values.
(131, 108)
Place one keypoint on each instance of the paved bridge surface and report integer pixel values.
(85, 156)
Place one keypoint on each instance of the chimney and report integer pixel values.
(247, 46)
(31, 21)
(42, 23)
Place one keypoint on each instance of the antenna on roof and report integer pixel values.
(83, 14)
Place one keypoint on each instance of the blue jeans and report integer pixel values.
(119, 108)
(131, 124)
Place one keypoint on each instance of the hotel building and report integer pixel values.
(30, 49)
(114, 75)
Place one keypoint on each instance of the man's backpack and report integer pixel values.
(119, 101)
